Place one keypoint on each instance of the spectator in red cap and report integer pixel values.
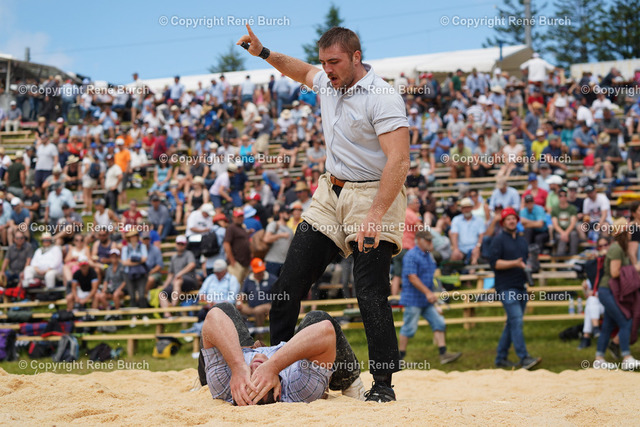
(237, 247)
(508, 257)
(256, 292)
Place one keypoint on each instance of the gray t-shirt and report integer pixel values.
(278, 250)
(18, 257)
(352, 122)
(114, 278)
(180, 261)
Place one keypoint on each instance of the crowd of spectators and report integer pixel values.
(209, 157)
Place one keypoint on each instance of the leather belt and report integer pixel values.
(335, 181)
(340, 183)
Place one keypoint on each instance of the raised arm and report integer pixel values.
(291, 67)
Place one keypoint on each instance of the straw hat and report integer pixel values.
(285, 114)
(603, 138)
(619, 226)
(131, 233)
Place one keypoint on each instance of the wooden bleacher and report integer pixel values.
(444, 187)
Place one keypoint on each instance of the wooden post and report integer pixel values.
(159, 329)
(131, 346)
(467, 313)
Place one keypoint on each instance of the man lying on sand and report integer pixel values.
(243, 372)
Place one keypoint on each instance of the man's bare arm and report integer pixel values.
(395, 146)
(291, 67)
(219, 332)
(316, 343)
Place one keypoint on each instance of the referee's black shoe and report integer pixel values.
(380, 392)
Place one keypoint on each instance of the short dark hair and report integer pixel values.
(343, 37)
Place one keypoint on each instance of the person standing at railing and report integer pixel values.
(508, 258)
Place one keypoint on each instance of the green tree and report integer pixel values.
(512, 33)
(332, 19)
(232, 60)
(619, 36)
(575, 40)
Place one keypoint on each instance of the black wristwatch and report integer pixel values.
(264, 53)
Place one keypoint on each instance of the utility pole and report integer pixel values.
(527, 23)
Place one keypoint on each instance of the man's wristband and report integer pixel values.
(264, 53)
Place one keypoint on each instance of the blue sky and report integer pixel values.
(110, 40)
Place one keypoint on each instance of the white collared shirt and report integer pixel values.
(352, 122)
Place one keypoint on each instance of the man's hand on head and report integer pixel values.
(241, 386)
(264, 378)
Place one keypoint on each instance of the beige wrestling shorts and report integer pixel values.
(340, 218)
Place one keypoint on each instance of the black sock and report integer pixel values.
(442, 350)
(383, 378)
(402, 354)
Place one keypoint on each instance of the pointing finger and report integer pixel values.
(249, 30)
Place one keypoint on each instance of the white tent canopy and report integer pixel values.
(627, 67)
(483, 60)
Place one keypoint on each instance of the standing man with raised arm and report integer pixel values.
(360, 201)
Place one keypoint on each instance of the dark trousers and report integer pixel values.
(136, 290)
(309, 254)
(531, 235)
(111, 200)
(346, 363)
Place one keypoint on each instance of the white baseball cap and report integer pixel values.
(219, 265)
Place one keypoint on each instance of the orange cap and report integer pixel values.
(257, 265)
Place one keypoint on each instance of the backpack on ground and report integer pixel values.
(100, 353)
(571, 333)
(166, 347)
(64, 316)
(209, 245)
(19, 316)
(8, 345)
(68, 349)
(108, 328)
(40, 349)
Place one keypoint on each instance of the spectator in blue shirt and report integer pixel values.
(257, 292)
(508, 257)
(418, 297)
(533, 218)
(176, 90)
(19, 215)
(154, 263)
(552, 153)
(251, 223)
(583, 138)
(440, 145)
(466, 234)
(503, 195)
(219, 287)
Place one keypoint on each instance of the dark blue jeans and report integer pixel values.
(514, 302)
(613, 317)
(274, 268)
